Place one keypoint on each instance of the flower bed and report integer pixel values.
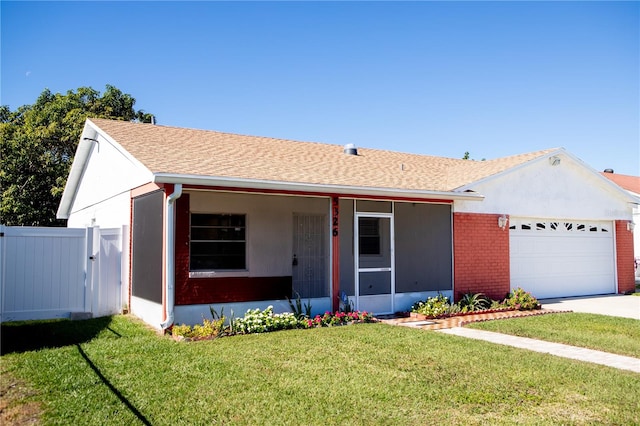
(264, 321)
(338, 318)
(473, 303)
(461, 314)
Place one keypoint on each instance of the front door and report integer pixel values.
(374, 262)
(309, 260)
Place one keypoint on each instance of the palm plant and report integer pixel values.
(471, 302)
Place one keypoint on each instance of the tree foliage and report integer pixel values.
(467, 156)
(37, 145)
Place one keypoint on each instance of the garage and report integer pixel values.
(561, 258)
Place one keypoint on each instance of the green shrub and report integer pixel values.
(522, 300)
(208, 328)
(496, 304)
(433, 307)
(257, 321)
(183, 330)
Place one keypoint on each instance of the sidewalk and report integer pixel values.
(454, 326)
(557, 349)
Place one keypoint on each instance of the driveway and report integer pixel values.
(616, 305)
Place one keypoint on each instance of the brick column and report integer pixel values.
(481, 255)
(624, 257)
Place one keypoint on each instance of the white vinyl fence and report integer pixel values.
(59, 272)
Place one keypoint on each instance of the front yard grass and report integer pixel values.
(610, 334)
(116, 371)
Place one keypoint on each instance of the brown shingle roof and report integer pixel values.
(182, 151)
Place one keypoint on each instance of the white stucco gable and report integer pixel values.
(556, 185)
(102, 174)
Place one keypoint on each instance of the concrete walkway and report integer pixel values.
(614, 305)
(558, 349)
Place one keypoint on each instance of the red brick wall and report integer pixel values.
(193, 291)
(481, 255)
(624, 255)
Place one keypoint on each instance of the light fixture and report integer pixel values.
(502, 221)
(554, 161)
(630, 226)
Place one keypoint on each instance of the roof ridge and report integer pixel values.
(212, 153)
(220, 132)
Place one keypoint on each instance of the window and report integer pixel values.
(369, 236)
(218, 242)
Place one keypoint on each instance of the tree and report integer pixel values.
(466, 156)
(37, 145)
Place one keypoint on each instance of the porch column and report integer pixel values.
(335, 245)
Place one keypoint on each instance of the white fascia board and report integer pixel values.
(119, 147)
(91, 136)
(311, 187)
(635, 197)
(615, 188)
(468, 186)
(79, 165)
(611, 184)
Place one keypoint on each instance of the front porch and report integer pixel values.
(383, 254)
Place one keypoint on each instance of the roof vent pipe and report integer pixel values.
(608, 170)
(350, 149)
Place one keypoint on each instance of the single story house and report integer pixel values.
(632, 185)
(238, 222)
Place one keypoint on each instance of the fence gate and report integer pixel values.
(53, 272)
(106, 286)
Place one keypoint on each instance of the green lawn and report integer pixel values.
(604, 333)
(115, 371)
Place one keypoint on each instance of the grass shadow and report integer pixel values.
(112, 388)
(25, 336)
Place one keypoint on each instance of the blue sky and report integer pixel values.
(438, 78)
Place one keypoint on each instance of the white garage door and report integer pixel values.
(558, 258)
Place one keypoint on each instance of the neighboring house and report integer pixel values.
(631, 184)
(239, 222)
